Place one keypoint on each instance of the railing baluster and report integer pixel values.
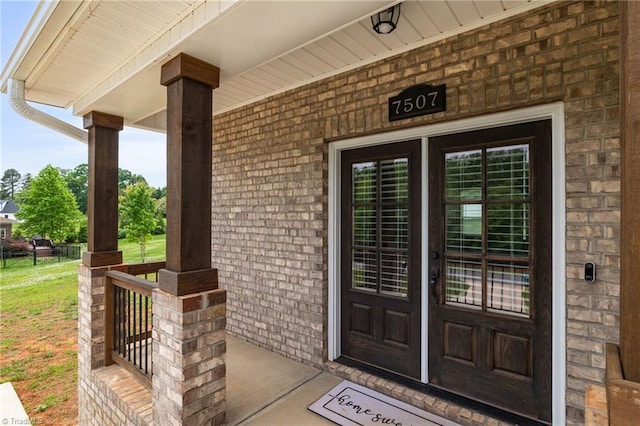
(134, 334)
(122, 324)
(146, 346)
(123, 300)
(132, 319)
(116, 317)
(140, 331)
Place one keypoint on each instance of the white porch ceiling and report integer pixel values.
(106, 55)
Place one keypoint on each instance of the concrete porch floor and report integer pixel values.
(264, 388)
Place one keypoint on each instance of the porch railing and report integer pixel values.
(129, 318)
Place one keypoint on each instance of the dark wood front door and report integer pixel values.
(490, 266)
(380, 255)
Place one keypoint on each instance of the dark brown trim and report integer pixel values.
(189, 84)
(185, 66)
(630, 196)
(104, 258)
(101, 119)
(181, 283)
(102, 199)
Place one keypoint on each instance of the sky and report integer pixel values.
(28, 147)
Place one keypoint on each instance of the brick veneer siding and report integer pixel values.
(189, 370)
(270, 173)
(88, 304)
(98, 403)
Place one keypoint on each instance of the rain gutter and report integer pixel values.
(19, 105)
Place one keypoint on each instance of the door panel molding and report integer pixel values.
(555, 112)
(381, 199)
(490, 214)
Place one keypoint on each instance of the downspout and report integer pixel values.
(19, 105)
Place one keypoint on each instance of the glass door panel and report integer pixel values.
(380, 212)
(487, 228)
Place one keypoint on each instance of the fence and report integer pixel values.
(61, 253)
(129, 318)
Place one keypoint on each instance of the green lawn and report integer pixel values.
(155, 250)
(39, 311)
(33, 286)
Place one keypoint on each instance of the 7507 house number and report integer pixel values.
(417, 100)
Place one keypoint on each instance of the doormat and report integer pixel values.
(349, 404)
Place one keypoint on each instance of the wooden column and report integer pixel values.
(102, 208)
(189, 83)
(630, 187)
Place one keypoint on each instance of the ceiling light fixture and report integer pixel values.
(386, 21)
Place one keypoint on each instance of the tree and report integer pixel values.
(25, 181)
(78, 182)
(138, 214)
(9, 184)
(47, 207)
(161, 204)
(126, 178)
(159, 193)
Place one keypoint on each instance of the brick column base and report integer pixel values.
(90, 333)
(188, 358)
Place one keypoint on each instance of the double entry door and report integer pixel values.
(488, 266)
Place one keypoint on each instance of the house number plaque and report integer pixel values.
(421, 99)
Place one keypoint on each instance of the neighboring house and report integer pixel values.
(6, 227)
(441, 252)
(8, 209)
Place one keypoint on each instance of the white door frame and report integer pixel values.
(555, 112)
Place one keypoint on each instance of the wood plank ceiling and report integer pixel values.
(356, 45)
(109, 55)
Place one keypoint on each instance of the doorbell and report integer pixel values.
(589, 272)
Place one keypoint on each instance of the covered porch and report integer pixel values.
(255, 96)
(262, 388)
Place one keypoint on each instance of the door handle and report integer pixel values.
(435, 274)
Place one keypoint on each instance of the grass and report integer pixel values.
(155, 250)
(38, 351)
(26, 290)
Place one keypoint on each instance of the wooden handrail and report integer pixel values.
(144, 268)
(131, 282)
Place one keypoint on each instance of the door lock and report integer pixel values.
(435, 274)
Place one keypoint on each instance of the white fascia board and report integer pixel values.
(38, 20)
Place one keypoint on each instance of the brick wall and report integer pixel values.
(98, 403)
(270, 181)
(189, 370)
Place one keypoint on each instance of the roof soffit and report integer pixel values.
(106, 55)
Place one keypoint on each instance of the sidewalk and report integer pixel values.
(11, 409)
(264, 388)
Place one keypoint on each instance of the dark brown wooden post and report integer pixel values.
(102, 208)
(630, 172)
(189, 82)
